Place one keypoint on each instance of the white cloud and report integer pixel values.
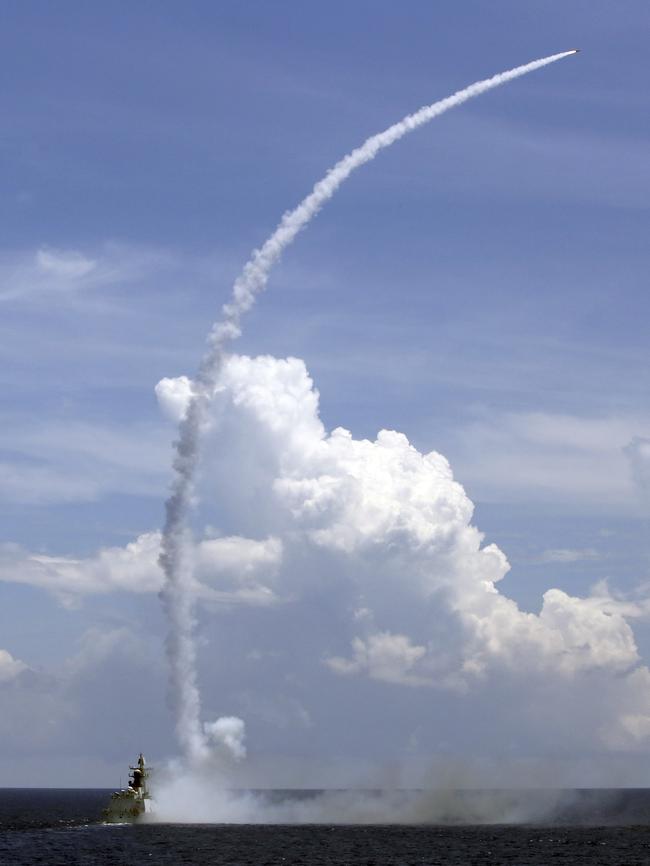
(66, 264)
(637, 452)
(383, 656)
(173, 396)
(589, 635)
(34, 484)
(567, 554)
(47, 271)
(230, 569)
(239, 569)
(76, 461)
(401, 528)
(10, 667)
(566, 460)
(326, 542)
(132, 568)
(562, 172)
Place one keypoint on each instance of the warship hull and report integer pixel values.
(129, 804)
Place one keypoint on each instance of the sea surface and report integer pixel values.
(52, 827)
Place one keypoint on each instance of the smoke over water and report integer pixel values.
(177, 549)
(188, 799)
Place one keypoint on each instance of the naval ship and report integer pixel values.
(129, 804)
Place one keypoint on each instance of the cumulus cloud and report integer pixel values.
(230, 569)
(239, 569)
(132, 568)
(173, 396)
(383, 502)
(353, 564)
(383, 656)
(10, 667)
(395, 530)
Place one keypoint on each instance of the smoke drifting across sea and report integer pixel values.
(190, 799)
(176, 557)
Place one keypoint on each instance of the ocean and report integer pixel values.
(52, 827)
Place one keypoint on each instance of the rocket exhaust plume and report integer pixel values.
(176, 554)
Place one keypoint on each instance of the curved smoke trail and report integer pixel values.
(176, 555)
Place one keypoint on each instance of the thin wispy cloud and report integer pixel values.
(567, 555)
(566, 162)
(579, 462)
(52, 273)
(72, 460)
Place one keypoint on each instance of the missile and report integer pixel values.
(574, 50)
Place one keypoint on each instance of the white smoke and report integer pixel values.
(176, 555)
(194, 799)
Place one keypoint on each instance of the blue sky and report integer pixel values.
(481, 286)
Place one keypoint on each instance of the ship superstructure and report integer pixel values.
(128, 804)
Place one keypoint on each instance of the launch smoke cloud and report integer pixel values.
(177, 549)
